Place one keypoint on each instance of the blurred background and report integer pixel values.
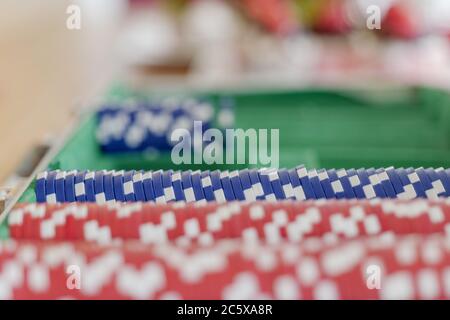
(50, 70)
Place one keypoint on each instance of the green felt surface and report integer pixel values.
(318, 127)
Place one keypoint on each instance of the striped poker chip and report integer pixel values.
(276, 184)
(315, 182)
(324, 179)
(89, 186)
(177, 186)
(336, 184)
(148, 186)
(197, 186)
(128, 186)
(108, 186)
(169, 192)
(40, 188)
(355, 182)
(188, 190)
(374, 180)
(409, 192)
(266, 185)
(236, 185)
(226, 186)
(69, 186)
(297, 187)
(444, 178)
(286, 185)
(366, 184)
(301, 173)
(59, 186)
(217, 188)
(158, 187)
(118, 185)
(425, 181)
(207, 186)
(395, 180)
(247, 187)
(99, 188)
(414, 179)
(50, 189)
(80, 189)
(346, 183)
(386, 183)
(437, 184)
(256, 184)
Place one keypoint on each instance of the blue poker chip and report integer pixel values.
(414, 178)
(217, 188)
(226, 186)
(386, 183)
(326, 184)
(148, 186)
(295, 186)
(317, 187)
(441, 186)
(186, 182)
(286, 184)
(169, 192)
(89, 186)
(376, 183)
(80, 191)
(158, 186)
(236, 185)
(59, 186)
(256, 184)
(118, 185)
(426, 183)
(50, 187)
(207, 186)
(395, 181)
(99, 189)
(197, 186)
(301, 173)
(355, 182)
(336, 184)
(440, 172)
(366, 185)
(177, 186)
(276, 184)
(346, 184)
(69, 186)
(409, 190)
(128, 186)
(247, 187)
(108, 186)
(40, 187)
(266, 185)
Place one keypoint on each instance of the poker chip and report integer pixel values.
(100, 196)
(69, 186)
(207, 186)
(40, 189)
(80, 190)
(128, 186)
(236, 185)
(89, 186)
(50, 188)
(108, 186)
(411, 268)
(243, 185)
(158, 187)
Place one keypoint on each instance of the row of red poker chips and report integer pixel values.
(185, 224)
(377, 267)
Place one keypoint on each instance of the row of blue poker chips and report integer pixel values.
(245, 185)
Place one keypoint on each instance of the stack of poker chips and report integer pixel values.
(242, 185)
(206, 224)
(411, 267)
(143, 125)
